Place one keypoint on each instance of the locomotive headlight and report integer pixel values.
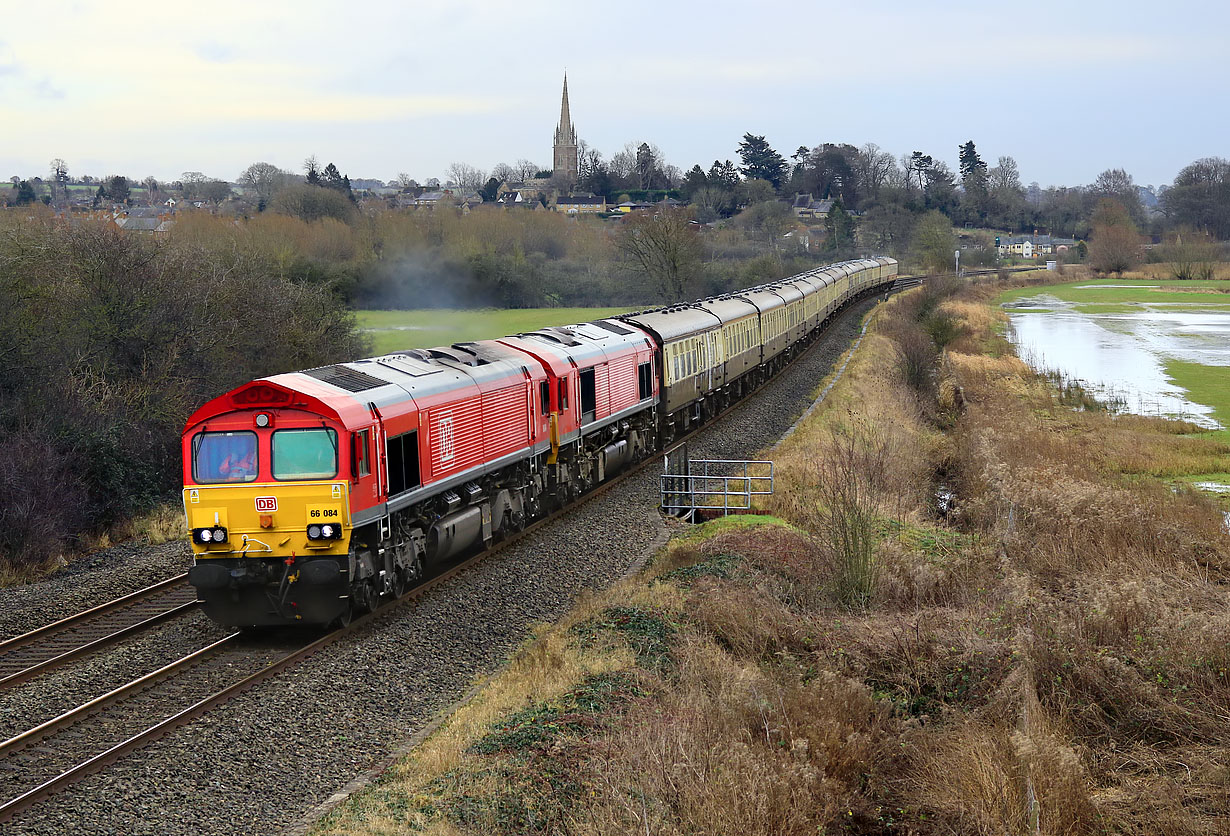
(313, 532)
(262, 419)
(205, 536)
(326, 531)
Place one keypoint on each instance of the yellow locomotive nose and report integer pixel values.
(268, 520)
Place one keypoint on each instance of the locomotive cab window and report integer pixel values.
(543, 397)
(403, 462)
(224, 457)
(309, 453)
(361, 462)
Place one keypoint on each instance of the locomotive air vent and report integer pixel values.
(612, 327)
(344, 378)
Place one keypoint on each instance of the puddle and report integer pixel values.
(1216, 487)
(1121, 357)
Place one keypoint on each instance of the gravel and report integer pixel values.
(88, 582)
(265, 760)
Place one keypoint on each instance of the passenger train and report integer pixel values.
(311, 496)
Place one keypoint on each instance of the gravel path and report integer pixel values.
(263, 761)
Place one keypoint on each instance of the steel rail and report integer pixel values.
(82, 620)
(93, 612)
(160, 729)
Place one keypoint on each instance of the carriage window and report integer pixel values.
(224, 457)
(305, 454)
(403, 462)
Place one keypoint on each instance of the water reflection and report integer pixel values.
(1121, 356)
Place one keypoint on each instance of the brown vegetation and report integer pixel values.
(1052, 660)
(109, 341)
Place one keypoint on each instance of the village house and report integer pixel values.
(1033, 246)
(805, 206)
(580, 205)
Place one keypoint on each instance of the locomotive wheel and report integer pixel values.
(400, 584)
(345, 618)
(363, 597)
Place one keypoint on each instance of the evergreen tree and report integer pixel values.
(760, 161)
(840, 228)
(489, 191)
(25, 193)
(974, 179)
(694, 180)
(723, 175)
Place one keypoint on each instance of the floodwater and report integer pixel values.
(1120, 357)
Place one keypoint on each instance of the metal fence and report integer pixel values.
(691, 487)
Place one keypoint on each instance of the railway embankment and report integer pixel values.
(969, 607)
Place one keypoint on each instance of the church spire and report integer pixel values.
(566, 133)
(565, 160)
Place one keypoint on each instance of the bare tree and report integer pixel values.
(526, 169)
(1115, 245)
(190, 183)
(665, 245)
(404, 181)
(59, 179)
(265, 179)
(1005, 177)
(504, 172)
(874, 168)
(623, 163)
(1192, 254)
(1116, 184)
(467, 177)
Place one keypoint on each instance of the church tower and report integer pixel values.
(564, 165)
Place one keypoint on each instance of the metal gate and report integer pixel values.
(693, 488)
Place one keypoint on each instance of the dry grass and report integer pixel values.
(1051, 657)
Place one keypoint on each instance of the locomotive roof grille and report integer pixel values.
(344, 378)
(612, 327)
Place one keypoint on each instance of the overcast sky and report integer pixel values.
(381, 87)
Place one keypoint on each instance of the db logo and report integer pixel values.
(447, 451)
(266, 504)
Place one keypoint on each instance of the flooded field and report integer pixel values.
(1148, 348)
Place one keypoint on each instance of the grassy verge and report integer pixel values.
(1045, 650)
(400, 330)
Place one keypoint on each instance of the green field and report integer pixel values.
(1109, 296)
(1208, 385)
(399, 330)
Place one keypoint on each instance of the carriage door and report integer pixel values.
(710, 359)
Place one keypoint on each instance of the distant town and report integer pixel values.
(831, 197)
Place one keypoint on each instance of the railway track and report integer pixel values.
(51, 757)
(25, 656)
